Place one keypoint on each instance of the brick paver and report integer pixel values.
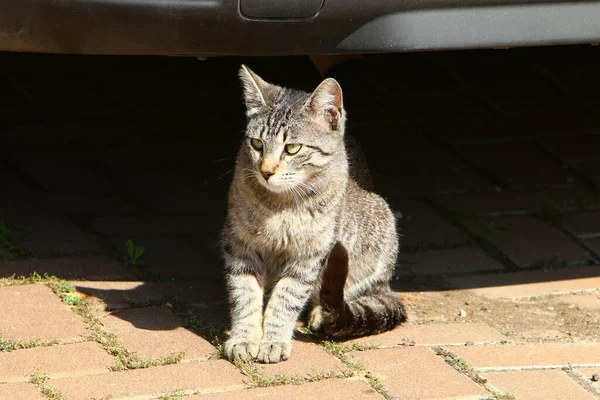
(70, 173)
(528, 241)
(510, 164)
(327, 389)
(400, 369)
(582, 149)
(535, 385)
(518, 203)
(75, 267)
(308, 359)
(591, 169)
(524, 284)
(119, 294)
(49, 233)
(415, 227)
(448, 261)
(177, 257)
(156, 332)
(434, 334)
(35, 312)
(530, 355)
(56, 361)
(585, 225)
(594, 244)
(204, 376)
(20, 391)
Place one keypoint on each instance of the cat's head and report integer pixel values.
(292, 137)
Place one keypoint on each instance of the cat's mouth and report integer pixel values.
(279, 183)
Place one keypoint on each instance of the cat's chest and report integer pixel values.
(292, 232)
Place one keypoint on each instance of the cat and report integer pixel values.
(302, 227)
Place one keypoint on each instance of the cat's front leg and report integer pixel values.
(244, 284)
(288, 298)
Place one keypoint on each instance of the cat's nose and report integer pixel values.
(266, 174)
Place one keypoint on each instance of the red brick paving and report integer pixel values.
(20, 391)
(205, 376)
(585, 225)
(449, 261)
(530, 355)
(119, 294)
(524, 284)
(35, 312)
(155, 332)
(75, 267)
(308, 359)
(415, 226)
(534, 385)
(434, 334)
(529, 241)
(399, 369)
(139, 169)
(328, 389)
(55, 361)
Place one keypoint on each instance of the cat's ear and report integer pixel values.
(258, 94)
(327, 105)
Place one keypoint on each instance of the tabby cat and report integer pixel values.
(300, 228)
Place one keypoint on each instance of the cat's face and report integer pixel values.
(291, 136)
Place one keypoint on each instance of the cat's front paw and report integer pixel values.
(240, 350)
(273, 352)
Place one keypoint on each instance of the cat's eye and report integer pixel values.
(292, 148)
(257, 144)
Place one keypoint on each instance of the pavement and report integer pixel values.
(114, 175)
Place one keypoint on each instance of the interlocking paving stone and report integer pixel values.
(53, 319)
(520, 165)
(178, 257)
(524, 284)
(416, 224)
(401, 368)
(447, 261)
(156, 225)
(585, 225)
(434, 334)
(76, 267)
(70, 173)
(51, 233)
(20, 391)
(594, 244)
(154, 332)
(331, 389)
(518, 203)
(582, 148)
(55, 361)
(306, 359)
(528, 241)
(537, 385)
(530, 355)
(591, 169)
(493, 127)
(205, 376)
(119, 294)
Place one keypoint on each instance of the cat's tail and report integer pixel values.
(376, 311)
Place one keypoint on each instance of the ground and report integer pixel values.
(114, 174)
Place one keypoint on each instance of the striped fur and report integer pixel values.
(289, 215)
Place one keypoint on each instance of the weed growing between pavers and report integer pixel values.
(341, 350)
(40, 381)
(211, 333)
(260, 379)
(27, 280)
(460, 364)
(8, 345)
